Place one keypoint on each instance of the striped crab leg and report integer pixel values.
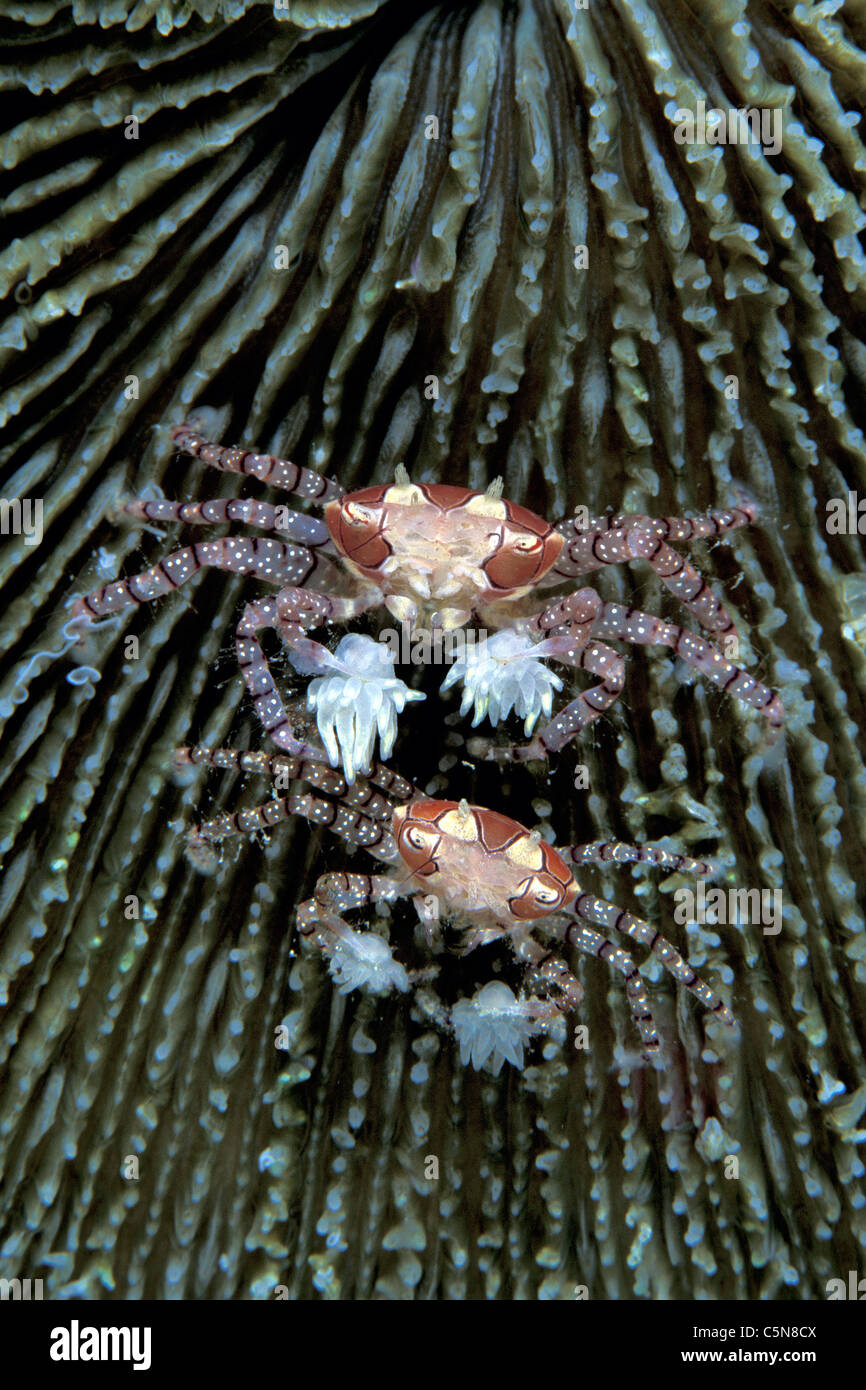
(669, 528)
(341, 892)
(326, 778)
(291, 613)
(276, 472)
(356, 958)
(619, 539)
(608, 915)
(361, 814)
(274, 561)
(580, 622)
(290, 525)
(615, 852)
(547, 968)
(615, 621)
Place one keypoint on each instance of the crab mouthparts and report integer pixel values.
(422, 619)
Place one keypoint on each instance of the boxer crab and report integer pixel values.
(469, 870)
(443, 557)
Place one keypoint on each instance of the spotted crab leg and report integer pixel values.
(581, 620)
(575, 617)
(341, 892)
(361, 816)
(357, 958)
(608, 915)
(549, 968)
(630, 624)
(625, 538)
(291, 612)
(326, 778)
(670, 528)
(292, 526)
(355, 827)
(615, 852)
(275, 562)
(276, 472)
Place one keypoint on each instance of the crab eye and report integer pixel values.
(545, 894)
(359, 516)
(527, 543)
(417, 839)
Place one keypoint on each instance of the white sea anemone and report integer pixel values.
(362, 960)
(493, 1026)
(361, 697)
(501, 674)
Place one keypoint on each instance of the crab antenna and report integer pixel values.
(401, 476)
(494, 489)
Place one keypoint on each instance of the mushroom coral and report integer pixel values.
(467, 238)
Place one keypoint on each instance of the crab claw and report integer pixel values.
(358, 698)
